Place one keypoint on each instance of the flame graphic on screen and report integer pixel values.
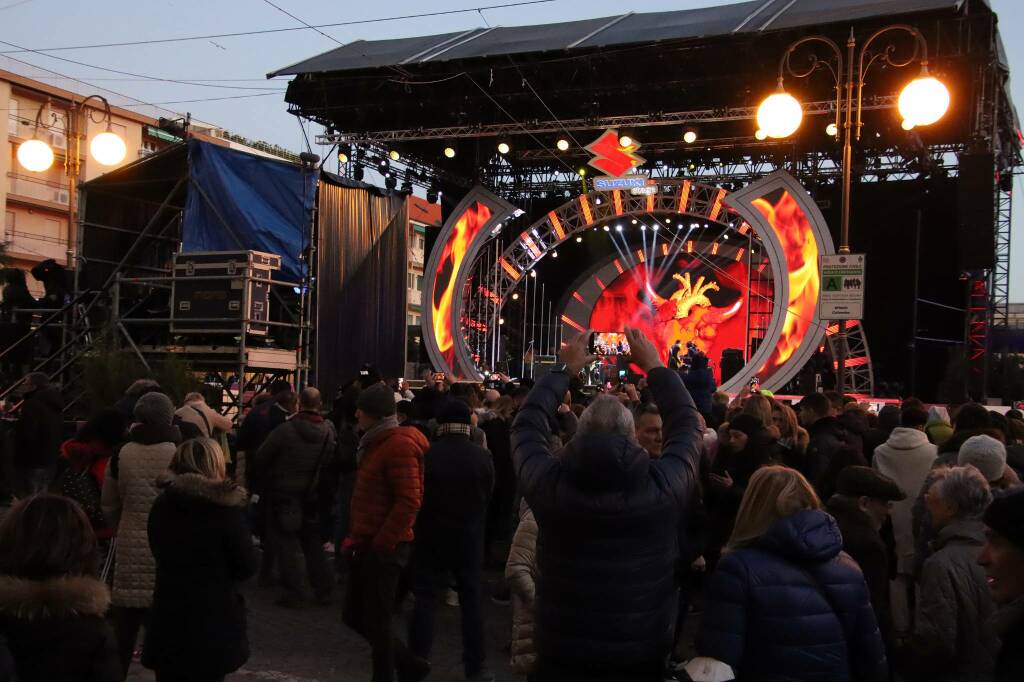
(793, 229)
(453, 255)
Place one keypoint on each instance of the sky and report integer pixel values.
(228, 74)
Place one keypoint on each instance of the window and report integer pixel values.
(12, 117)
(418, 242)
(419, 283)
(410, 280)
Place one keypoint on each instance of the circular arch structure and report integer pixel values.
(776, 212)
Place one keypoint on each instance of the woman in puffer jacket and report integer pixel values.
(785, 602)
(520, 571)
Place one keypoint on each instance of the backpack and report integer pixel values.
(81, 487)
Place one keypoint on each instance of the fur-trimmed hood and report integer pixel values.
(65, 597)
(225, 493)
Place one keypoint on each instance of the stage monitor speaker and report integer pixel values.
(975, 234)
(731, 364)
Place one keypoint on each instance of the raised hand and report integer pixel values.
(643, 352)
(575, 353)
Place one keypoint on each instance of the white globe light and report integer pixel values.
(907, 125)
(563, 145)
(625, 141)
(760, 134)
(503, 148)
(35, 155)
(831, 130)
(108, 149)
(779, 115)
(923, 101)
(394, 155)
(690, 136)
(449, 152)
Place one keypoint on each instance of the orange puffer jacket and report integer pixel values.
(388, 490)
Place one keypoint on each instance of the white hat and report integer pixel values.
(986, 454)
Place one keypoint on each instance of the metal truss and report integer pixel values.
(978, 313)
(718, 115)
(1000, 292)
(859, 376)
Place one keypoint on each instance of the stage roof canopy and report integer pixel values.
(629, 28)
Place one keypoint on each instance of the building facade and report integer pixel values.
(423, 216)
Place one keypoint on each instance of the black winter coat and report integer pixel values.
(458, 478)
(203, 551)
(700, 382)
(827, 438)
(792, 606)
(40, 429)
(865, 545)
(56, 632)
(607, 519)
(286, 462)
(1010, 626)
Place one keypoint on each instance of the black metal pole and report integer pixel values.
(913, 313)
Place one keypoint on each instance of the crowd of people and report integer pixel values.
(640, 531)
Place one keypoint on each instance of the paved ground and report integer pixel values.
(313, 646)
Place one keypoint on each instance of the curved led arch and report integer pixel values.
(790, 229)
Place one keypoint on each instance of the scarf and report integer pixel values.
(385, 424)
(454, 429)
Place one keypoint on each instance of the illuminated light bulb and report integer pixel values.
(563, 145)
(503, 148)
(35, 155)
(690, 136)
(606, 228)
(582, 171)
(923, 101)
(625, 141)
(554, 254)
(643, 228)
(907, 125)
(598, 201)
(515, 296)
(395, 156)
(779, 115)
(342, 157)
(831, 130)
(655, 228)
(579, 240)
(108, 149)
(533, 273)
(618, 228)
(633, 221)
(761, 135)
(449, 152)
(501, 320)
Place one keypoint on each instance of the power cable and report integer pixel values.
(139, 75)
(325, 35)
(337, 24)
(201, 99)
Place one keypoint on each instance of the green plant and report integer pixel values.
(107, 371)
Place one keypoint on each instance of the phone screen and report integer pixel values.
(609, 344)
(438, 376)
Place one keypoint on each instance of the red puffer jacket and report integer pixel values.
(94, 456)
(388, 490)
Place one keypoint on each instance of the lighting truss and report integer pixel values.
(695, 117)
(1000, 294)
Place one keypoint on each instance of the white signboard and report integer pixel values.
(842, 286)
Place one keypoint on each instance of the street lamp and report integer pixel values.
(922, 102)
(107, 148)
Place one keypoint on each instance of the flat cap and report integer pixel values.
(864, 481)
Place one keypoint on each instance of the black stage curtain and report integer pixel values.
(361, 292)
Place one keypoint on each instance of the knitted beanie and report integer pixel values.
(986, 454)
(155, 409)
(377, 401)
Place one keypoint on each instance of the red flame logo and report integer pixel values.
(611, 158)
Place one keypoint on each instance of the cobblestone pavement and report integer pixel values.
(312, 645)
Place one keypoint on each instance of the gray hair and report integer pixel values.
(966, 489)
(607, 414)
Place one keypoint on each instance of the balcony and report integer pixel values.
(41, 189)
(24, 129)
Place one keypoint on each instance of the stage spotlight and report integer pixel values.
(831, 130)
(606, 229)
(618, 228)
(357, 172)
(563, 145)
(598, 201)
(691, 167)
(643, 228)
(582, 172)
(655, 227)
(625, 141)
(501, 320)
(668, 221)
(554, 254)
(432, 195)
(690, 136)
(395, 156)
(533, 273)
(407, 186)
(449, 152)
(633, 221)
(384, 165)
(579, 240)
(515, 296)
(390, 181)
(679, 226)
(725, 237)
(503, 148)
(344, 152)
(761, 135)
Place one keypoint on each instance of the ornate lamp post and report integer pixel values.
(922, 102)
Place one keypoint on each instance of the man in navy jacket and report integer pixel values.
(608, 517)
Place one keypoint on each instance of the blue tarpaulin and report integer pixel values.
(239, 201)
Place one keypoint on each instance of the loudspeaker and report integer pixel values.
(975, 234)
(731, 364)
